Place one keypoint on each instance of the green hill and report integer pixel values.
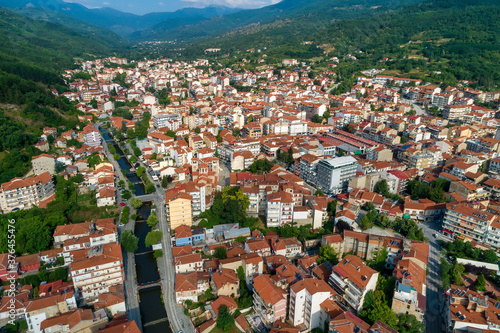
(32, 55)
(437, 40)
(305, 15)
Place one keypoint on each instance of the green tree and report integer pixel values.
(445, 273)
(158, 254)
(317, 119)
(153, 237)
(378, 262)
(152, 219)
(480, 283)
(376, 308)
(490, 256)
(172, 134)
(225, 321)
(260, 166)
(140, 171)
(456, 272)
(59, 273)
(327, 253)
(129, 241)
(382, 188)
(220, 252)
(136, 202)
(409, 324)
(116, 157)
(319, 192)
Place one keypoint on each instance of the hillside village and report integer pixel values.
(290, 209)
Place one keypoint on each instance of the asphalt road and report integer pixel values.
(175, 313)
(434, 294)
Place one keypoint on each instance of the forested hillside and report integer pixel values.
(33, 53)
(434, 40)
(286, 18)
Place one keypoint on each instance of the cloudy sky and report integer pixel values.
(148, 6)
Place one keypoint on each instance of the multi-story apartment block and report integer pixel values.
(269, 301)
(485, 145)
(99, 270)
(44, 163)
(91, 136)
(334, 174)
(20, 193)
(178, 209)
(170, 120)
(306, 297)
(253, 265)
(307, 167)
(198, 193)
(279, 209)
(471, 224)
(102, 231)
(420, 161)
(352, 279)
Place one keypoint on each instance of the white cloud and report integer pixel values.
(105, 3)
(161, 4)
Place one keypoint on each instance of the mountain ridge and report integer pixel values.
(120, 22)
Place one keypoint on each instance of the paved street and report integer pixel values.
(175, 313)
(434, 297)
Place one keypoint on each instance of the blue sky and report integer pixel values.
(147, 6)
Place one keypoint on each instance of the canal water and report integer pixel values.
(151, 306)
(124, 164)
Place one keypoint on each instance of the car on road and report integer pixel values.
(122, 204)
(158, 185)
(121, 225)
(435, 235)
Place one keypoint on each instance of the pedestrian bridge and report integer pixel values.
(145, 285)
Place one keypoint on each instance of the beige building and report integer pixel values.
(39, 309)
(22, 193)
(225, 282)
(178, 209)
(420, 161)
(44, 163)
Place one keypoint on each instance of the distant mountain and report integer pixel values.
(310, 14)
(121, 22)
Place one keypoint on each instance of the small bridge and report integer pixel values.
(154, 322)
(145, 285)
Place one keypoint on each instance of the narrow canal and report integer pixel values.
(153, 314)
(152, 309)
(124, 164)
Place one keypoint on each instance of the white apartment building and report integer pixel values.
(170, 120)
(20, 193)
(99, 270)
(91, 136)
(334, 174)
(352, 279)
(305, 299)
(279, 209)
